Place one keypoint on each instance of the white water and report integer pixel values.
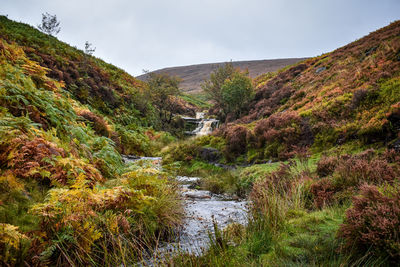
(206, 126)
(199, 115)
(202, 208)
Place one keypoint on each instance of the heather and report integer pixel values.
(313, 148)
(67, 196)
(316, 153)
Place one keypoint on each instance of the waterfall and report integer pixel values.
(204, 126)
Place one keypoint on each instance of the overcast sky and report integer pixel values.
(153, 34)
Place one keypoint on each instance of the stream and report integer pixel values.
(201, 209)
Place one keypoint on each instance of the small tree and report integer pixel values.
(217, 78)
(89, 49)
(163, 90)
(50, 25)
(230, 90)
(236, 93)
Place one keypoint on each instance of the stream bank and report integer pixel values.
(202, 210)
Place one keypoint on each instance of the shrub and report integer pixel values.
(326, 166)
(236, 141)
(275, 127)
(181, 151)
(372, 224)
(358, 97)
(86, 226)
(354, 170)
(45, 161)
(343, 175)
(12, 242)
(391, 156)
(323, 191)
(281, 134)
(132, 140)
(98, 124)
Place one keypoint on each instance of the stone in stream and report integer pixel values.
(210, 154)
(197, 196)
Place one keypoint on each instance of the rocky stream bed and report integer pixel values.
(202, 210)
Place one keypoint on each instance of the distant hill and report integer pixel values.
(194, 75)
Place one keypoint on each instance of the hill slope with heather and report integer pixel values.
(194, 75)
(316, 151)
(350, 94)
(66, 196)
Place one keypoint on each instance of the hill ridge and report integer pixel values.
(193, 75)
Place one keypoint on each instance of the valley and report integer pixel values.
(293, 163)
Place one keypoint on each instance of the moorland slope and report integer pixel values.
(194, 75)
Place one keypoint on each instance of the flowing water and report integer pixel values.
(202, 210)
(204, 126)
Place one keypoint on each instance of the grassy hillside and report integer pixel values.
(194, 75)
(316, 153)
(66, 196)
(325, 135)
(348, 95)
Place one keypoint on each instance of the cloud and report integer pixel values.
(137, 35)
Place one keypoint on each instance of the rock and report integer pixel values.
(320, 69)
(370, 51)
(226, 167)
(210, 154)
(197, 196)
(394, 119)
(395, 145)
(129, 158)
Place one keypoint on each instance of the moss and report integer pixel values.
(389, 91)
(306, 113)
(325, 139)
(272, 150)
(212, 141)
(253, 155)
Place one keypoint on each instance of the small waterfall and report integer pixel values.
(206, 126)
(199, 115)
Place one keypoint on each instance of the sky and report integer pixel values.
(138, 35)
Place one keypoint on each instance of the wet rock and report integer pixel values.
(187, 180)
(395, 145)
(226, 167)
(131, 157)
(320, 69)
(210, 154)
(196, 196)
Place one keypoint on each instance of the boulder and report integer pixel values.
(210, 154)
